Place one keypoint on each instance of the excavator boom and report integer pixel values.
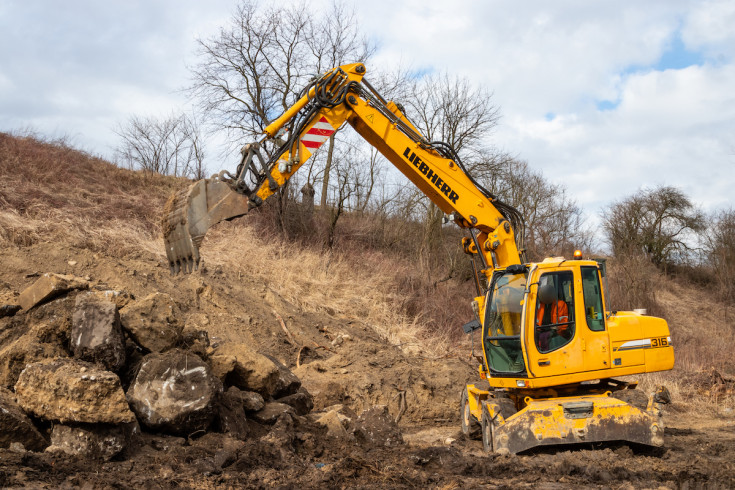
(342, 96)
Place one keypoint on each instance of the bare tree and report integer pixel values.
(451, 110)
(554, 222)
(719, 252)
(255, 68)
(655, 222)
(170, 146)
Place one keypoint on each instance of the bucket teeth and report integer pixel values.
(181, 249)
(190, 212)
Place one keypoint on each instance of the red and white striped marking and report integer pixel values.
(318, 134)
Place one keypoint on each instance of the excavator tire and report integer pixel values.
(470, 425)
(488, 429)
(634, 397)
(503, 407)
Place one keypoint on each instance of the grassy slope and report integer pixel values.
(52, 193)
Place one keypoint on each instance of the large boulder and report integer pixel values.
(15, 426)
(96, 335)
(174, 392)
(153, 322)
(47, 287)
(237, 364)
(69, 390)
(93, 441)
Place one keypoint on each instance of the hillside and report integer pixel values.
(342, 327)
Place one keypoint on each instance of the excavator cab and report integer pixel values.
(551, 355)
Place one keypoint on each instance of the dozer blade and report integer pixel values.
(190, 213)
(581, 419)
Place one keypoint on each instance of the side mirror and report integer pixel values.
(471, 326)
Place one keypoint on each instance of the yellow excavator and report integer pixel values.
(551, 349)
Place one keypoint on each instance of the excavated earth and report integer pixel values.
(341, 362)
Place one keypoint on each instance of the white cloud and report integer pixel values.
(81, 67)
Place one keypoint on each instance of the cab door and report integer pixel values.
(554, 344)
(594, 336)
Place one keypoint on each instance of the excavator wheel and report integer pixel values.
(470, 425)
(487, 426)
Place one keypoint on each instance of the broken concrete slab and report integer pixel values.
(26, 350)
(92, 441)
(15, 426)
(271, 412)
(152, 322)
(96, 334)
(288, 383)
(375, 427)
(237, 364)
(174, 392)
(69, 390)
(301, 401)
(49, 286)
(231, 414)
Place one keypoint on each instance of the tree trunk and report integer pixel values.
(327, 170)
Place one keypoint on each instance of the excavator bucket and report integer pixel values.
(191, 212)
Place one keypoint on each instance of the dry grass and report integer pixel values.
(326, 282)
(50, 192)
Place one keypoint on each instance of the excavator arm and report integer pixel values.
(340, 96)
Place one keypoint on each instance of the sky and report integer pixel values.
(605, 97)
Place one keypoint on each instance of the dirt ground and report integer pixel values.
(340, 361)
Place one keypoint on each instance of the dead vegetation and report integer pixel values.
(54, 193)
(51, 191)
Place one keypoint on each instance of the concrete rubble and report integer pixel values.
(94, 441)
(15, 426)
(240, 365)
(69, 390)
(47, 287)
(89, 372)
(153, 322)
(96, 334)
(175, 392)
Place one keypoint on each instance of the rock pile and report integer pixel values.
(86, 374)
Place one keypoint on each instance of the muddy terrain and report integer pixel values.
(354, 377)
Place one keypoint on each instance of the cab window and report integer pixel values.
(593, 310)
(554, 322)
(502, 327)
